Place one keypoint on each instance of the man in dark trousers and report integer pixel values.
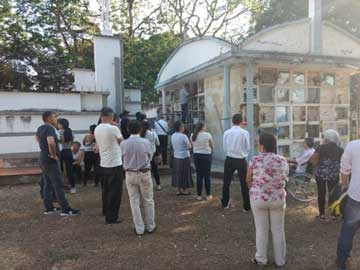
(236, 147)
(162, 130)
(124, 123)
(108, 138)
(48, 139)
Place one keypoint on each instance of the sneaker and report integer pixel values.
(158, 187)
(245, 211)
(73, 190)
(254, 261)
(150, 232)
(70, 212)
(55, 210)
(199, 198)
(209, 197)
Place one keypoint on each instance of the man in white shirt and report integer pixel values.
(236, 147)
(162, 130)
(184, 94)
(350, 165)
(108, 138)
(304, 158)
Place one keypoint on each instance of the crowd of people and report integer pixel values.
(132, 150)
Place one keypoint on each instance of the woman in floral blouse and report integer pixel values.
(266, 178)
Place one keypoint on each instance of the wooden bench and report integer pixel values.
(16, 176)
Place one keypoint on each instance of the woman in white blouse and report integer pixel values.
(203, 146)
(181, 171)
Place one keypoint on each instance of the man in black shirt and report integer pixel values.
(124, 123)
(48, 139)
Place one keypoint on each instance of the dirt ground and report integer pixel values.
(190, 235)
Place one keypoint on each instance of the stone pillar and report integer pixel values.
(250, 105)
(163, 101)
(315, 14)
(227, 98)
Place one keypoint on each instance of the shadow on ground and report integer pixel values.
(190, 235)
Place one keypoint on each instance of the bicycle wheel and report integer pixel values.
(302, 187)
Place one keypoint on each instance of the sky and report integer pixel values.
(239, 23)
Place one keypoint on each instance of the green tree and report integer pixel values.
(41, 40)
(143, 60)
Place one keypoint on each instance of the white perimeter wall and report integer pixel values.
(17, 131)
(12, 101)
(84, 80)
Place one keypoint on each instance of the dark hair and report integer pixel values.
(177, 126)
(134, 127)
(269, 142)
(106, 111)
(46, 115)
(187, 85)
(92, 128)
(68, 136)
(77, 143)
(199, 126)
(310, 142)
(140, 116)
(237, 119)
(145, 125)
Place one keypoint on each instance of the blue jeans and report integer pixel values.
(203, 170)
(350, 225)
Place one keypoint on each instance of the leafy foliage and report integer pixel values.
(42, 40)
(143, 60)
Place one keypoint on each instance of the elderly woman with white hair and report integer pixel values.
(327, 160)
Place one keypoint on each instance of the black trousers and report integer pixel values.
(91, 160)
(77, 172)
(321, 187)
(163, 147)
(232, 165)
(111, 192)
(184, 113)
(203, 170)
(66, 158)
(155, 171)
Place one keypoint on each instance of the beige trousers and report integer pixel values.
(140, 186)
(269, 216)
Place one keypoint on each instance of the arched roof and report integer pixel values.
(294, 37)
(191, 53)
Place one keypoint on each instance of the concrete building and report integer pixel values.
(292, 80)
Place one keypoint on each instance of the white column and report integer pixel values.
(227, 98)
(315, 14)
(163, 101)
(250, 105)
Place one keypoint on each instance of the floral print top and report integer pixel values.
(270, 173)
